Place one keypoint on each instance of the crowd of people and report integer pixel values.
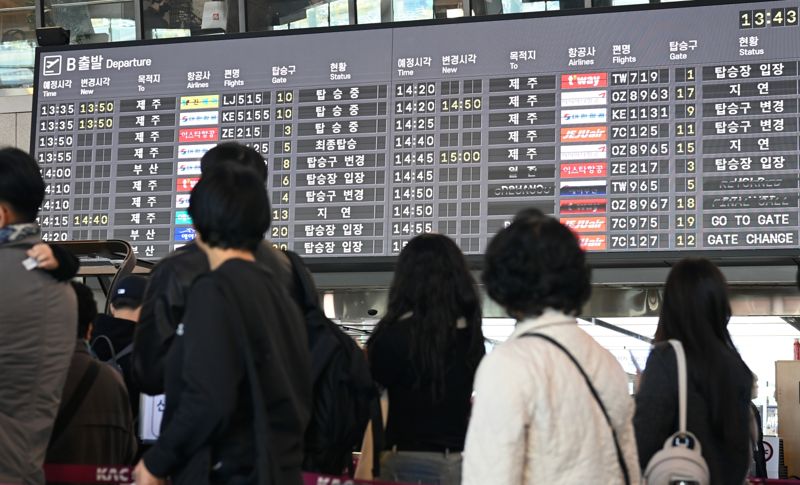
(220, 328)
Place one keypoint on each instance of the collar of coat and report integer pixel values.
(549, 318)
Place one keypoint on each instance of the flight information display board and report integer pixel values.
(646, 131)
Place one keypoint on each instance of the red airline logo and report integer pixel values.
(584, 134)
(584, 80)
(585, 224)
(186, 184)
(190, 135)
(584, 170)
(593, 243)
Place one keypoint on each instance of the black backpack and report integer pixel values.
(345, 398)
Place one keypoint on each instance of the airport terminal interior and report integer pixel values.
(655, 130)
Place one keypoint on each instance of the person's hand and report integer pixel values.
(142, 476)
(43, 254)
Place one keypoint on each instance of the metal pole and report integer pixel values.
(137, 18)
(39, 14)
(243, 15)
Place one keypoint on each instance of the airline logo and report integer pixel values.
(584, 134)
(182, 201)
(571, 99)
(186, 184)
(582, 206)
(200, 102)
(189, 168)
(592, 243)
(194, 151)
(582, 188)
(584, 80)
(194, 135)
(583, 152)
(581, 170)
(184, 234)
(199, 118)
(585, 224)
(183, 218)
(583, 116)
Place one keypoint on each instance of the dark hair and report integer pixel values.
(529, 213)
(232, 153)
(432, 283)
(230, 209)
(87, 307)
(21, 183)
(534, 264)
(696, 311)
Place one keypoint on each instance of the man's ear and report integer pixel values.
(5, 214)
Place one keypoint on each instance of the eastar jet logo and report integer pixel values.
(584, 80)
(583, 170)
(584, 134)
(593, 243)
(51, 65)
(194, 135)
(585, 224)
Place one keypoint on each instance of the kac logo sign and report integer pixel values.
(52, 66)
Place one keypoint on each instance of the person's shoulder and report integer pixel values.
(188, 258)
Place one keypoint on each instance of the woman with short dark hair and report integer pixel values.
(535, 419)
(696, 312)
(424, 352)
(237, 377)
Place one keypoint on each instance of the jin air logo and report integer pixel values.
(52, 66)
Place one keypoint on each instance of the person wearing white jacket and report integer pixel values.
(534, 418)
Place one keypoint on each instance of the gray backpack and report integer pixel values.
(681, 460)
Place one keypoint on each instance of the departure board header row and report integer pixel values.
(658, 130)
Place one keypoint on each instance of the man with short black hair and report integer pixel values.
(238, 376)
(170, 280)
(38, 317)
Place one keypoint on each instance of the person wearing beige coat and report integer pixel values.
(534, 418)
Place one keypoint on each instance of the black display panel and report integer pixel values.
(646, 131)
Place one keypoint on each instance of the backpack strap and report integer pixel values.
(301, 276)
(680, 358)
(124, 352)
(103, 338)
(67, 413)
(621, 459)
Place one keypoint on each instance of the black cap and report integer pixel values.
(129, 293)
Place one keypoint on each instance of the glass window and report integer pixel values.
(296, 14)
(18, 43)
(369, 11)
(179, 18)
(404, 10)
(518, 6)
(92, 21)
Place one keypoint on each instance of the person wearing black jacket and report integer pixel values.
(696, 311)
(170, 280)
(238, 377)
(112, 335)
